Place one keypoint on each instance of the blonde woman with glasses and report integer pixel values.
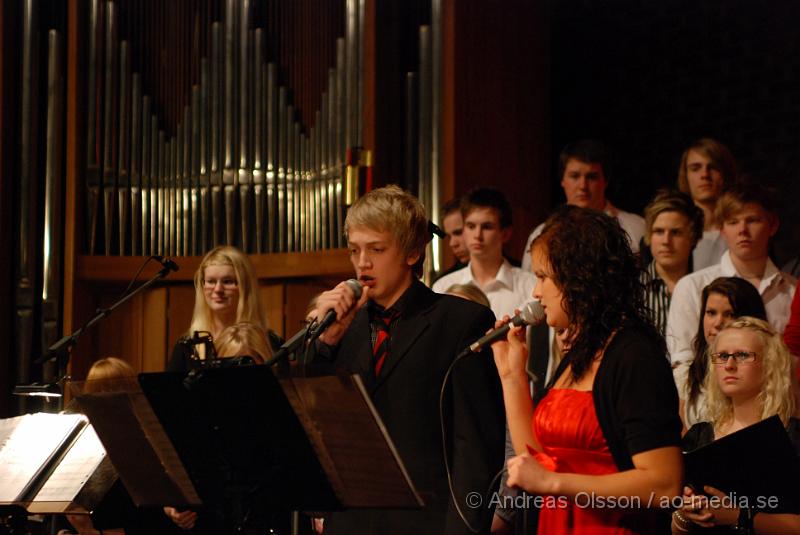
(751, 377)
(226, 293)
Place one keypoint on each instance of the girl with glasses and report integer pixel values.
(228, 308)
(751, 377)
(226, 293)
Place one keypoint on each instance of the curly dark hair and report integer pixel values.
(744, 300)
(598, 274)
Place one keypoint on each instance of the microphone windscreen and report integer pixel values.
(356, 286)
(532, 313)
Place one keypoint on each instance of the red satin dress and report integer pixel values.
(565, 424)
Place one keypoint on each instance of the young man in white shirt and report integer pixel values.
(748, 220)
(487, 227)
(583, 177)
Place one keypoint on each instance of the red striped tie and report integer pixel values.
(380, 350)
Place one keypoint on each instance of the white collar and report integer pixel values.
(504, 275)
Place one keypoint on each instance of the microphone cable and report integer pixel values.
(446, 457)
(141, 268)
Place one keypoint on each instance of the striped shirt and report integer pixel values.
(656, 297)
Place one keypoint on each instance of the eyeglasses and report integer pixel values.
(740, 357)
(228, 284)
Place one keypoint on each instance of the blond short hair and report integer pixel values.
(673, 201)
(249, 308)
(109, 374)
(747, 192)
(242, 339)
(471, 292)
(779, 389)
(390, 209)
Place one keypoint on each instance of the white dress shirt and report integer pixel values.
(709, 250)
(776, 289)
(510, 289)
(631, 223)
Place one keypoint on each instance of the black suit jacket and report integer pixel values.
(431, 331)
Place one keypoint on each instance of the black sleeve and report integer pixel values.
(180, 358)
(317, 353)
(478, 425)
(697, 436)
(644, 412)
(794, 434)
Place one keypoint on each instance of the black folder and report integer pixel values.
(757, 464)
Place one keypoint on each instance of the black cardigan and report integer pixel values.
(635, 398)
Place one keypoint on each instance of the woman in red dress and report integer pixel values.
(601, 449)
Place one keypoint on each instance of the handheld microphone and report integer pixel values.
(531, 314)
(330, 316)
(311, 332)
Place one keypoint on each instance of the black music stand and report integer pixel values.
(250, 444)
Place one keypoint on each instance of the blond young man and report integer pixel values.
(673, 226)
(749, 219)
(386, 232)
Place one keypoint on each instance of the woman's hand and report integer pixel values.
(511, 354)
(708, 511)
(343, 301)
(182, 519)
(526, 473)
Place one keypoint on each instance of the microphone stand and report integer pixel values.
(62, 349)
(301, 339)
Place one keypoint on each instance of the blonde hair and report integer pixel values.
(469, 291)
(244, 339)
(249, 307)
(109, 374)
(734, 200)
(678, 202)
(778, 393)
(390, 209)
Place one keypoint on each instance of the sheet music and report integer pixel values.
(27, 444)
(7, 427)
(74, 469)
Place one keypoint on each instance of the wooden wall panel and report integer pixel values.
(272, 298)
(155, 343)
(298, 295)
(119, 335)
(178, 317)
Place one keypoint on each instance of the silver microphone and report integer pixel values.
(530, 314)
(330, 316)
